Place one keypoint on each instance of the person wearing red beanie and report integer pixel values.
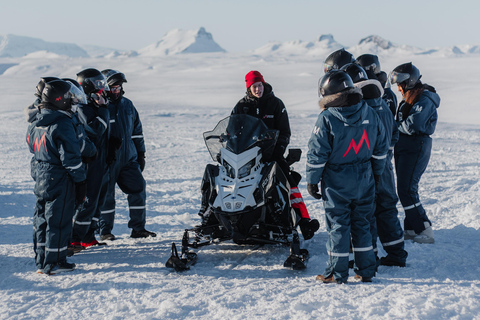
(260, 102)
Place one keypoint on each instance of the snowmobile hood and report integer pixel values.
(352, 115)
(47, 116)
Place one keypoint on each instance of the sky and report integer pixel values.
(240, 26)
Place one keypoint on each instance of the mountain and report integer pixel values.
(322, 45)
(19, 46)
(182, 41)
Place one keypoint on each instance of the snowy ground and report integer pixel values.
(180, 97)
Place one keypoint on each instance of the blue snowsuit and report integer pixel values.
(347, 147)
(391, 100)
(412, 152)
(95, 120)
(53, 141)
(125, 171)
(385, 224)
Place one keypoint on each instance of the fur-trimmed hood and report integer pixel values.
(371, 88)
(342, 99)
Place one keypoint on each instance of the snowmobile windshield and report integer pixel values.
(238, 133)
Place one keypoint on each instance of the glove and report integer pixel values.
(141, 160)
(313, 191)
(80, 192)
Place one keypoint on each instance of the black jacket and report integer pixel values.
(273, 113)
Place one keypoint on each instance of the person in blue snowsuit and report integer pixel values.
(348, 146)
(385, 223)
(59, 175)
(95, 117)
(371, 65)
(416, 120)
(126, 160)
(87, 148)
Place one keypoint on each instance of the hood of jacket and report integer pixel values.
(352, 115)
(431, 94)
(47, 117)
(370, 88)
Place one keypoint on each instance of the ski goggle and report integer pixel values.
(116, 89)
(398, 77)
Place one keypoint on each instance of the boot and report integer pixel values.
(409, 235)
(426, 236)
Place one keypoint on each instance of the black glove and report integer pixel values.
(313, 191)
(80, 192)
(141, 160)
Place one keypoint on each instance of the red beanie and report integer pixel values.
(252, 77)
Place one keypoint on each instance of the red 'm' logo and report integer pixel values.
(356, 147)
(38, 143)
(59, 98)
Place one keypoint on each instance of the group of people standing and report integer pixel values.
(358, 132)
(86, 138)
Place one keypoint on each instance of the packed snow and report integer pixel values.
(178, 98)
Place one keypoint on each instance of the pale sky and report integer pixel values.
(239, 26)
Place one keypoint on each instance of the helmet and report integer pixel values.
(369, 62)
(337, 59)
(405, 73)
(355, 72)
(62, 94)
(92, 81)
(333, 82)
(74, 82)
(41, 85)
(114, 77)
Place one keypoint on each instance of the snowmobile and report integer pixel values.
(245, 197)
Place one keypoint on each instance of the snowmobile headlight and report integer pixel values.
(229, 169)
(245, 169)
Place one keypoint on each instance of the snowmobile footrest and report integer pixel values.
(297, 261)
(181, 263)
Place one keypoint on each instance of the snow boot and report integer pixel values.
(391, 262)
(426, 236)
(107, 236)
(329, 279)
(142, 234)
(62, 266)
(363, 279)
(409, 235)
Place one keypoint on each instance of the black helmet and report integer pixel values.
(114, 77)
(62, 94)
(333, 82)
(92, 80)
(74, 82)
(355, 72)
(337, 59)
(405, 73)
(41, 85)
(369, 62)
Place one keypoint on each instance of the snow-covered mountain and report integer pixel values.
(182, 41)
(322, 45)
(325, 44)
(19, 46)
